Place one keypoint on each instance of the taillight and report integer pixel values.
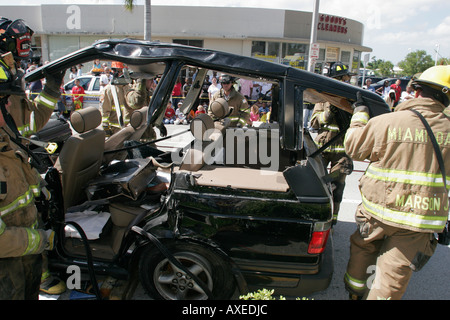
(318, 242)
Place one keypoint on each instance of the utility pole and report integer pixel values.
(437, 54)
(366, 60)
(313, 40)
(129, 5)
(148, 20)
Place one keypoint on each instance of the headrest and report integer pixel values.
(200, 124)
(219, 108)
(138, 117)
(86, 119)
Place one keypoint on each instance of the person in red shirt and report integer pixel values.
(200, 109)
(77, 95)
(177, 92)
(169, 116)
(398, 91)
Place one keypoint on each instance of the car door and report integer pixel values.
(92, 98)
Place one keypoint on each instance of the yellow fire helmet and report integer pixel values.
(437, 77)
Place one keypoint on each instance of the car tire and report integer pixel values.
(163, 281)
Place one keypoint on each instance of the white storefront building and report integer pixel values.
(282, 36)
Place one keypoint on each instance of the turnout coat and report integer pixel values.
(403, 185)
(20, 183)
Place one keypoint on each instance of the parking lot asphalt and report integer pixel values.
(431, 283)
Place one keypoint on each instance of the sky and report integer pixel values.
(391, 28)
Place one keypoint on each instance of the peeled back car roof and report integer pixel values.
(142, 55)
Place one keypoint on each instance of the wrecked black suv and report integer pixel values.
(237, 209)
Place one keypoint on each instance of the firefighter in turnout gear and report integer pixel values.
(404, 199)
(325, 120)
(240, 114)
(15, 42)
(22, 242)
(113, 105)
(120, 99)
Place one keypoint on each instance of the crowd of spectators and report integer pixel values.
(258, 95)
(393, 94)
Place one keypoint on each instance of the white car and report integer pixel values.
(91, 85)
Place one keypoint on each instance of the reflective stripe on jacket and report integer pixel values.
(30, 117)
(18, 214)
(109, 115)
(323, 120)
(403, 185)
(20, 183)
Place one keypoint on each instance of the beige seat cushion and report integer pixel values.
(211, 134)
(241, 178)
(81, 156)
(134, 131)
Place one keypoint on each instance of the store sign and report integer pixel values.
(332, 54)
(332, 24)
(314, 51)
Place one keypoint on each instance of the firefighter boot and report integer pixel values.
(51, 285)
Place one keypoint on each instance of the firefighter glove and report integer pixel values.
(359, 100)
(444, 236)
(359, 104)
(50, 239)
(365, 228)
(333, 109)
(53, 82)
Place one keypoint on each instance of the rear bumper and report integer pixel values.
(297, 286)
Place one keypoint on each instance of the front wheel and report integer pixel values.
(163, 280)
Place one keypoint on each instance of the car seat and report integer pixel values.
(81, 157)
(134, 131)
(208, 135)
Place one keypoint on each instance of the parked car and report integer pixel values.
(373, 78)
(403, 84)
(235, 210)
(91, 85)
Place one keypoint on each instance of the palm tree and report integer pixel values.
(129, 5)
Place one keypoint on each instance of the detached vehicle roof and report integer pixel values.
(149, 59)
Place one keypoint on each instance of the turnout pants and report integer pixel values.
(340, 166)
(20, 277)
(382, 258)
